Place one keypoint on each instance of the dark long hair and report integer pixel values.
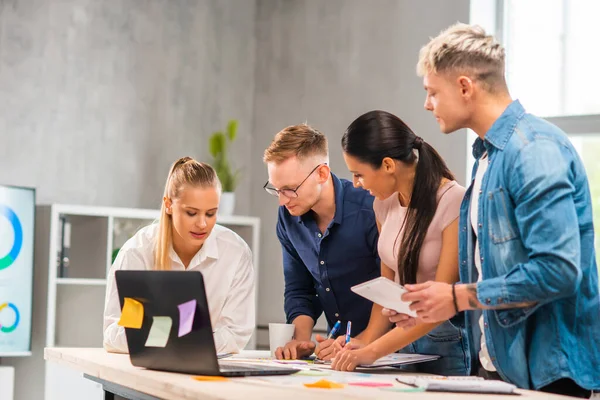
(378, 134)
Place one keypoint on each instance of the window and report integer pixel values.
(551, 57)
(588, 147)
(550, 67)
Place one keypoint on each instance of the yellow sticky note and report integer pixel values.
(132, 314)
(324, 384)
(159, 332)
(209, 378)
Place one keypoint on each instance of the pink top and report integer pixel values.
(390, 215)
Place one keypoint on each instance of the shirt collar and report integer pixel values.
(209, 250)
(338, 192)
(502, 129)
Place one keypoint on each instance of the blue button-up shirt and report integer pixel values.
(319, 268)
(536, 241)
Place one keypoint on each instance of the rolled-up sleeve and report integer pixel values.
(299, 293)
(542, 190)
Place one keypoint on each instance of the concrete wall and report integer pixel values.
(98, 98)
(327, 62)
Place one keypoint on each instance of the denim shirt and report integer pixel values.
(320, 267)
(536, 240)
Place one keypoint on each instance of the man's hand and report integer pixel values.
(431, 300)
(349, 358)
(401, 320)
(294, 350)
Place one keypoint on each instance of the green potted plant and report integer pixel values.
(218, 146)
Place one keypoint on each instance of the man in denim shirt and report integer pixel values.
(328, 237)
(527, 259)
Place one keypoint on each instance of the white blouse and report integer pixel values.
(225, 261)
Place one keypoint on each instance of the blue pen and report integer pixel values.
(348, 329)
(334, 329)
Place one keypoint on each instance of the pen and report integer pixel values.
(348, 329)
(334, 329)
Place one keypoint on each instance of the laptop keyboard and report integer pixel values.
(224, 367)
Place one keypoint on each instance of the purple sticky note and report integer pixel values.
(187, 311)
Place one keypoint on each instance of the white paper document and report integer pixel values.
(463, 385)
(392, 360)
(386, 293)
(400, 359)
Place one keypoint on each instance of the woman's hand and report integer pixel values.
(349, 358)
(401, 320)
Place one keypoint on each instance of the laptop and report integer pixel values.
(161, 292)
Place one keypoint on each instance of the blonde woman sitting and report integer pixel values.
(187, 238)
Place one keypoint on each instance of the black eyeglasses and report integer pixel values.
(289, 193)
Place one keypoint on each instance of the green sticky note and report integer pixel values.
(159, 332)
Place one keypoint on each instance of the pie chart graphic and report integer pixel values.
(9, 329)
(7, 260)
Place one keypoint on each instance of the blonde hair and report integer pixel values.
(465, 49)
(185, 171)
(302, 141)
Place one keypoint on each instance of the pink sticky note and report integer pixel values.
(371, 384)
(187, 311)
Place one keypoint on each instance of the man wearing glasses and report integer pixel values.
(328, 236)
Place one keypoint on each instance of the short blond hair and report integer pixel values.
(302, 141)
(466, 49)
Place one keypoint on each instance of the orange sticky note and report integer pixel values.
(324, 384)
(132, 314)
(209, 378)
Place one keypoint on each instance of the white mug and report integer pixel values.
(280, 335)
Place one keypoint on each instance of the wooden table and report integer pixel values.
(118, 376)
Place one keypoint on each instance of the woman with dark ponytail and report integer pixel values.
(417, 203)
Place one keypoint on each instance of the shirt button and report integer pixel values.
(481, 259)
(337, 315)
(480, 225)
(488, 301)
(505, 321)
(317, 295)
(327, 290)
(480, 191)
(322, 262)
(464, 262)
(319, 235)
(485, 324)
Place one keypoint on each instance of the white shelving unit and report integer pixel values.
(76, 302)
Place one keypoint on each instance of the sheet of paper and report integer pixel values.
(159, 332)
(187, 311)
(132, 314)
(400, 359)
(312, 372)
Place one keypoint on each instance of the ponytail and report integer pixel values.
(378, 134)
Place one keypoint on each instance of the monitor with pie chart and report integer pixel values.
(17, 222)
